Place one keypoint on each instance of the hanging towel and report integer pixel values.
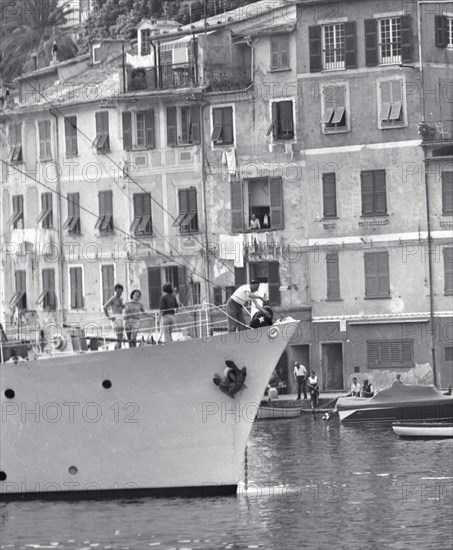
(231, 161)
(289, 150)
(231, 248)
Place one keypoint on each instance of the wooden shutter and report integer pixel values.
(70, 127)
(383, 274)
(138, 204)
(29, 149)
(448, 270)
(406, 40)
(314, 41)
(195, 120)
(350, 37)
(48, 287)
(127, 130)
(284, 52)
(237, 206)
(407, 353)
(171, 126)
(367, 184)
(240, 276)
(373, 354)
(371, 43)
(386, 100)
(371, 275)
(333, 276)
(108, 283)
(182, 284)
(274, 284)
(385, 357)
(154, 287)
(98, 118)
(274, 52)
(192, 199)
(149, 128)
(447, 193)
(380, 195)
(440, 29)
(183, 197)
(276, 203)
(329, 197)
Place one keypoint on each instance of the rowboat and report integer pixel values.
(274, 413)
(423, 429)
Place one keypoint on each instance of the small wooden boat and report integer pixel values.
(272, 413)
(423, 429)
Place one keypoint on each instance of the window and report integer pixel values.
(260, 196)
(388, 40)
(279, 52)
(45, 150)
(96, 51)
(377, 278)
(217, 295)
(70, 130)
(282, 125)
(447, 193)
(17, 217)
(268, 272)
(449, 354)
(329, 195)
(391, 111)
(139, 124)
(108, 282)
(222, 124)
(448, 271)
(102, 140)
(183, 125)
(187, 219)
(333, 107)
(444, 31)
(333, 46)
(145, 45)
(390, 353)
(47, 297)
(105, 220)
(72, 224)
(142, 224)
(76, 286)
(19, 299)
(15, 143)
(374, 196)
(333, 276)
(45, 218)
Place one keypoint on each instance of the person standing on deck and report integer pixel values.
(236, 303)
(132, 312)
(313, 388)
(168, 306)
(116, 305)
(300, 375)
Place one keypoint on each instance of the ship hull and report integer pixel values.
(149, 420)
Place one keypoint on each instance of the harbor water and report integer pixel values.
(311, 483)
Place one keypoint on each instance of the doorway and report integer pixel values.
(332, 367)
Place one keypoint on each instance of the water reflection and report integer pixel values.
(312, 483)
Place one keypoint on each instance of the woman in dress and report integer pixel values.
(132, 312)
(313, 388)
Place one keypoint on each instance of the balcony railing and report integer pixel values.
(436, 131)
(221, 79)
(162, 78)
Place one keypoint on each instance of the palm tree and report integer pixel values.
(31, 30)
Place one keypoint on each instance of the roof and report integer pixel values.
(54, 67)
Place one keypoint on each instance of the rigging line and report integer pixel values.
(58, 110)
(133, 237)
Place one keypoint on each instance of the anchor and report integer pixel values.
(233, 379)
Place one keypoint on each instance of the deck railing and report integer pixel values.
(436, 131)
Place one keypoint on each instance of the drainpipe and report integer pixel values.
(205, 211)
(59, 219)
(428, 214)
(156, 67)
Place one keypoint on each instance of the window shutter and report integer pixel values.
(314, 41)
(127, 130)
(183, 197)
(380, 201)
(371, 275)
(440, 28)
(447, 193)
(371, 43)
(98, 117)
(448, 270)
(383, 274)
(171, 126)
(276, 203)
(386, 100)
(385, 354)
(350, 45)
(274, 52)
(195, 119)
(182, 284)
(240, 276)
(406, 41)
(192, 199)
(329, 195)
(70, 135)
(284, 52)
(367, 193)
(79, 287)
(149, 128)
(407, 353)
(333, 276)
(395, 353)
(373, 354)
(105, 122)
(274, 284)
(138, 205)
(237, 207)
(108, 202)
(154, 287)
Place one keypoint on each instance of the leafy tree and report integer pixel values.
(31, 29)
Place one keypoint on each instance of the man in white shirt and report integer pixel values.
(236, 304)
(300, 375)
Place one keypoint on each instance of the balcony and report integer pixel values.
(436, 131)
(161, 78)
(222, 79)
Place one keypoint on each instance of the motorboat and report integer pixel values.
(270, 412)
(423, 429)
(403, 402)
